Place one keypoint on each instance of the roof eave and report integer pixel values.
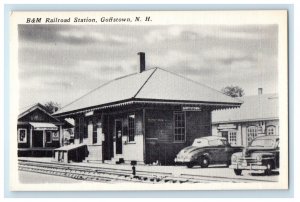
(219, 105)
(246, 120)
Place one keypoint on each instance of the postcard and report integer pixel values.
(148, 100)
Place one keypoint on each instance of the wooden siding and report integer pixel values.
(160, 144)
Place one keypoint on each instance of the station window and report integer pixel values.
(251, 133)
(271, 130)
(22, 135)
(48, 136)
(131, 129)
(179, 126)
(232, 137)
(94, 133)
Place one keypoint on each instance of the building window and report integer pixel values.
(251, 133)
(271, 130)
(48, 136)
(232, 137)
(22, 135)
(131, 129)
(94, 133)
(179, 126)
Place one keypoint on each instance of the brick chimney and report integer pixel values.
(142, 61)
(260, 91)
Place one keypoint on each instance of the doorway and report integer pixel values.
(37, 138)
(118, 129)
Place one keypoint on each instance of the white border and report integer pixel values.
(163, 18)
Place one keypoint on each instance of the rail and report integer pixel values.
(100, 174)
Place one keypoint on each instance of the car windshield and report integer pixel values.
(200, 143)
(263, 143)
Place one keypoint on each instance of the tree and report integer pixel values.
(51, 107)
(233, 91)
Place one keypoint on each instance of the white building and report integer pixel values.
(258, 115)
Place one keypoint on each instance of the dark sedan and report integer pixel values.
(262, 154)
(205, 151)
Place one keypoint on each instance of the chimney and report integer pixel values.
(142, 61)
(260, 91)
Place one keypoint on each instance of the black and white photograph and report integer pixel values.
(153, 100)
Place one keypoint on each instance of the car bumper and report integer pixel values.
(182, 161)
(248, 167)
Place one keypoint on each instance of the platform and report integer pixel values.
(36, 152)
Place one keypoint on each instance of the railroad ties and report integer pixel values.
(87, 173)
(111, 175)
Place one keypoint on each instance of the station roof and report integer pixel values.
(256, 107)
(152, 85)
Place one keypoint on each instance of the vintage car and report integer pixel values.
(205, 151)
(262, 154)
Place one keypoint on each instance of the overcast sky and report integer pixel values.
(61, 62)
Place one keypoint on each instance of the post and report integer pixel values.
(103, 137)
(65, 156)
(44, 138)
(133, 163)
(30, 138)
(61, 137)
(144, 135)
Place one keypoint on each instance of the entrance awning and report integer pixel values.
(43, 126)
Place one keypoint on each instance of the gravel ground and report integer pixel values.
(37, 178)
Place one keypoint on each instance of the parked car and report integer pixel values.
(205, 151)
(262, 154)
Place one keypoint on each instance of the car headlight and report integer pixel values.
(258, 158)
(233, 158)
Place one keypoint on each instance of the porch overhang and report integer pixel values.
(43, 126)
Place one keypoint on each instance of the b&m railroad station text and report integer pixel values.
(88, 20)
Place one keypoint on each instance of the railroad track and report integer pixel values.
(111, 175)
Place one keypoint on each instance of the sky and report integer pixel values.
(62, 62)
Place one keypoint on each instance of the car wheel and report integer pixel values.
(238, 171)
(189, 165)
(269, 166)
(204, 162)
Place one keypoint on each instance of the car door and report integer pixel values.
(218, 151)
(223, 153)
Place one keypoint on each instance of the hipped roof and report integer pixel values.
(155, 84)
(254, 108)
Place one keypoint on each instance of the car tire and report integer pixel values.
(269, 165)
(237, 171)
(189, 165)
(204, 162)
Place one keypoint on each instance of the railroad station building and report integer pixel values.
(38, 132)
(257, 116)
(148, 117)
